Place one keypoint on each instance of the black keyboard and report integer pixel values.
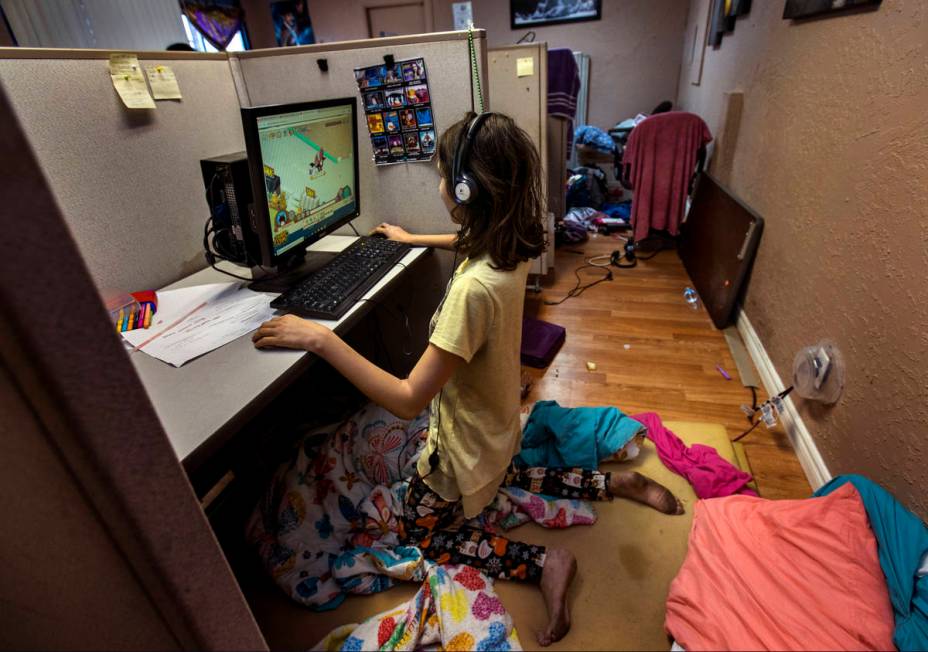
(331, 290)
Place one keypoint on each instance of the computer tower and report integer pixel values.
(229, 196)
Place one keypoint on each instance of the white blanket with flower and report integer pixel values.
(328, 524)
(456, 608)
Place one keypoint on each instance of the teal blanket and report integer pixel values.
(902, 540)
(574, 437)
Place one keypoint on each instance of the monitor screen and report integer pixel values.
(310, 172)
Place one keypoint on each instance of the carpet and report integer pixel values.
(626, 563)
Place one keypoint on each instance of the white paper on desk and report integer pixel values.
(196, 320)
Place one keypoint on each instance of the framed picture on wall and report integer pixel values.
(807, 8)
(525, 14)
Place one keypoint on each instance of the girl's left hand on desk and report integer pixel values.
(291, 332)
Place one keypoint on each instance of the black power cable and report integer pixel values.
(578, 289)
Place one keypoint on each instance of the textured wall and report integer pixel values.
(833, 152)
(635, 50)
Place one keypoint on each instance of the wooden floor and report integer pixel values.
(652, 353)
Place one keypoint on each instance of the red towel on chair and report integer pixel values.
(661, 153)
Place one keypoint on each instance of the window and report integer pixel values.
(197, 42)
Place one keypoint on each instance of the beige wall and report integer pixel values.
(258, 24)
(833, 151)
(635, 50)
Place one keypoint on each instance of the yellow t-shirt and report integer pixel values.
(479, 320)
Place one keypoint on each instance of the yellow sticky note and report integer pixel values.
(525, 67)
(126, 74)
(163, 83)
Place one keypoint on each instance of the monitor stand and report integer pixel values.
(294, 270)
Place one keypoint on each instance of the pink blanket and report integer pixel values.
(661, 154)
(710, 474)
(781, 575)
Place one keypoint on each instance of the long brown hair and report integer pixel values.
(506, 219)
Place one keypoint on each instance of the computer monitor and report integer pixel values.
(304, 174)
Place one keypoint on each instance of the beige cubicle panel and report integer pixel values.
(105, 546)
(404, 193)
(518, 80)
(128, 181)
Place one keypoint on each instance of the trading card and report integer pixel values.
(412, 142)
(424, 116)
(408, 119)
(395, 98)
(427, 139)
(417, 94)
(370, 77)
(381, 150)
(373, 101)
(393, 75)
(392, 121)
(396, 145)
(375, 123)
(414, 70)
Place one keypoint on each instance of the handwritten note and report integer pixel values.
(129, 82)
(163, 83)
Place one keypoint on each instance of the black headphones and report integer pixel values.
(466, 188)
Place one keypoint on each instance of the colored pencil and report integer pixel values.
(147, 321)
(119, 320)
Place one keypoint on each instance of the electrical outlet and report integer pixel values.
(821, 364)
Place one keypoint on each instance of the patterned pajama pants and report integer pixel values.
(427, 517)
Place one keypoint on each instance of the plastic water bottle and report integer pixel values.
(691, 298)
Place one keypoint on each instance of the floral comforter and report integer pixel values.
(328, 524)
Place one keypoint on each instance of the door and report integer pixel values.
(396, 19)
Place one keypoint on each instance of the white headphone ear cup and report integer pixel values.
(462, 193)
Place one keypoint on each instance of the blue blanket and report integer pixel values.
(574, 437)
(902, 540)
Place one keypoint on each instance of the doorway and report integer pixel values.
(396, 19)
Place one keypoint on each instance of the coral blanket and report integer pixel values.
(781, 575)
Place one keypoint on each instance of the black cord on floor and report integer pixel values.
(577, 290)
(747, 432)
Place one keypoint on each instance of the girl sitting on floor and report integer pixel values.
(469, 375)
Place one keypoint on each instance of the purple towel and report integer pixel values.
(563, 84)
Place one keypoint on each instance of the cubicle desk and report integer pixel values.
(206, 401)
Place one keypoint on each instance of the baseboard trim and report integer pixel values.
(813, 465)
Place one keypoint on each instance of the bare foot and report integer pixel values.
(558, 573)
(634, 486)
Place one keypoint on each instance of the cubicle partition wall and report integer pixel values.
(128, 182)
(105, 546)
(518, 77)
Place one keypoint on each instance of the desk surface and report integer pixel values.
(202, 403)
